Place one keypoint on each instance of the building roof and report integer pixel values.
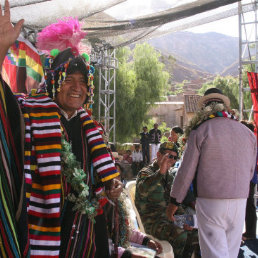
(191, 101)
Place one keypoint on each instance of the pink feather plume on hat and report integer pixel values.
(61, 35)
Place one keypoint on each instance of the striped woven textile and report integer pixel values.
(11, 179)
(101, 159)
(43, 169)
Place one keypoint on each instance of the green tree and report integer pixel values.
(228, 85)
(140, 81)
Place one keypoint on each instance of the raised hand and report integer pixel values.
(165, 164)
(155, 245)
(115, 190)
(171, 210)
(8, 32)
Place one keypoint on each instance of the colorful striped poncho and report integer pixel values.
(42, 166)
(13, 219)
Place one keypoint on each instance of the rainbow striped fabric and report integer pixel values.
(13, 232)
(43, 169)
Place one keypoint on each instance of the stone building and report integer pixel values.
(170, 112)
(175, 112)
(190, 106)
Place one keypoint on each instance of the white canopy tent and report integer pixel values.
(101, 27)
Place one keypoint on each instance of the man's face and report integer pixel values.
(171, 161)
(156, 126)
(174, 136)
(73, 93)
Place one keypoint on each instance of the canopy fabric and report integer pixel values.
(103, 28)
(39, 14)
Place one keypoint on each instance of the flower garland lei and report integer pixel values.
(213, 110)
(76, 176)
(123, 222)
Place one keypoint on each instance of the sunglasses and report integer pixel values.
(172, 157)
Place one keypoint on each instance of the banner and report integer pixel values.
(253, 83)
(22, 68)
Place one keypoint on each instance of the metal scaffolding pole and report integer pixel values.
(107, 65)
(248, 46)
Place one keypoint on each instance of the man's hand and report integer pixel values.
(171, 210)
(115, 189)
(155, 246)
(187, 227)
(8, 32)
(165, 164)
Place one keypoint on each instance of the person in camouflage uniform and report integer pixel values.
(153, 185)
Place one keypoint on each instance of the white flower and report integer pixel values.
(207, 109)
(220, 107)
(84, 193)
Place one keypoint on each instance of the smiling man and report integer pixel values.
(64, 156)
(73, 94)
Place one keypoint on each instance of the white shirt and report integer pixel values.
(137, 156)
(66, 116)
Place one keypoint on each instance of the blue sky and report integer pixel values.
(228, 26)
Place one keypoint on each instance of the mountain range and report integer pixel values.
(198, 55)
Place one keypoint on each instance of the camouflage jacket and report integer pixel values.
(152, 193)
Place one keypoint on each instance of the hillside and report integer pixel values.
(231, 70)
(208, 52)
(181, 71)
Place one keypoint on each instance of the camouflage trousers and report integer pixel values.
(183, 242)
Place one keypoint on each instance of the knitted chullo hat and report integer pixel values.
(61, 65)
(168, 146)
(213, 95)
(61, 41)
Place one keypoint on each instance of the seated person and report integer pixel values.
(153, 185)
(121, 170)
(122, 234)
(137, 158)
(127, 157)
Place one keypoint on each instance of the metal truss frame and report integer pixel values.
(107, 64)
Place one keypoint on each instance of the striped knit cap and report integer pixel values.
(58, 67)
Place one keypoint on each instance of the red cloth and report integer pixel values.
(253, 83)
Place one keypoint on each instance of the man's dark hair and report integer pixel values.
(248, 124)
(178, 129)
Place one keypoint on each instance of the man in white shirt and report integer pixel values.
(137, 160)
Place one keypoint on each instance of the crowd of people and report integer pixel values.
(61, 190)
